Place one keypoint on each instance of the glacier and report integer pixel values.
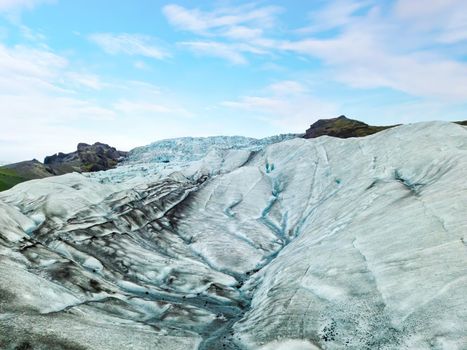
(237, 243)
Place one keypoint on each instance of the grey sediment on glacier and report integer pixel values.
(235, 243)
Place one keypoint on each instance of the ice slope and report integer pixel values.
(300, 244)
(192, 157)
(187, 149)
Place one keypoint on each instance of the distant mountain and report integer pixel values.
(99, 156)
(342, 127)
(87, 158)
(12, 174)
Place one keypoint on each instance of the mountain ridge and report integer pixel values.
(342, 127)
(99, 156)
(87, 158)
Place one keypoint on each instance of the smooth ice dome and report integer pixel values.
(232, 243)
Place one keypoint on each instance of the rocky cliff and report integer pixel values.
(87, 158)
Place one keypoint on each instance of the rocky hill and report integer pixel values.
(342, 127)
(12, 174)
(87, 158)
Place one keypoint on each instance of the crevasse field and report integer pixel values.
(235, 243)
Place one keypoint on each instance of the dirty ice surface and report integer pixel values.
(232, 243)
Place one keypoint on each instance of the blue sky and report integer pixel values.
(131, 72)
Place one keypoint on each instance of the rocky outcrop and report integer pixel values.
(86, 158)
(342, 127)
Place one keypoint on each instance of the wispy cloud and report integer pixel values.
(289, 105)
(86, 80)
(233, 32)
(445, 21)
(129, 44)
(233, 53)
(216, 49)
(288, 87)
(386, 51)
(38, 101)
(243, 21)
(18, 5)
(335, 14)
(409, 55)
(366, 64)
(400, 45)
(24, 69)
(45, 105)
(142, 107)
(141, 65)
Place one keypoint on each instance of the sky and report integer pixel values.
(129, 73)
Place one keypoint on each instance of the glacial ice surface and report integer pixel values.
(235, 243)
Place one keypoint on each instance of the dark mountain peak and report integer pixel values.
(86, 158)
(95, 145)
(82, 145)
(343, 117)
(342, 127)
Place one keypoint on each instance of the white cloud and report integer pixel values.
(17, 5)
(144, 108)
(288, 87)
(185, 19)
(141, 65)
(336, 14)
(397, 46)
(358, 59)
(26, 70)
(129, 44)
(289, 105)
(242, 29)
(234, 53)
(241, 20)
(45, 106)
(243, 33)
(51, 109)
(38, 103)
(142, 89)
(87, 80)
(421, 8)
(30, 34)
(444, 20)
